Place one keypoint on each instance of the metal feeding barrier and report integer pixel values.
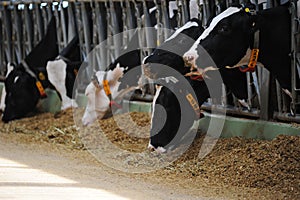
(23, 23)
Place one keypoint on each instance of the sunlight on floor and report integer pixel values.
(18, 181)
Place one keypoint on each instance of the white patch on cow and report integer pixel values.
(3, 94)
(158, 89)
(57, 71)
(144, 59)
(191, 55)
(16, 79)
(178, 31)
(158, 149)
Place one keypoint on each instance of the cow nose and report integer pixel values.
(188, 59)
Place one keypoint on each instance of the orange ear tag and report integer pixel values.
(106, 87)
(253, 58)
(194, 104)
(41, 89)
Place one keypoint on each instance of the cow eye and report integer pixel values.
(223, 29)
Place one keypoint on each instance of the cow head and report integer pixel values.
(226, 39)
(172, 114)
(98, 101)
(22, 95)
(170, 52)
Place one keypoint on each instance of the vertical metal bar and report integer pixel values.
(165, 19)
(279, 97)
(249, 89)
(19, 36)
(8, 33)
(86, 27)
(28, 28)
(206, 12)
(79, 27)
(114, 26)
(265, 89)
(185, 12)
(72, 26)
(130, 19)
(39, 20)
(2, 62)
(101, 30)
(294, 57)
(149, 33)
(224, 96)
(36, 37)
(58, 27)
(159, 37)
(63, 25)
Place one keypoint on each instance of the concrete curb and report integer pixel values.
(233, 126)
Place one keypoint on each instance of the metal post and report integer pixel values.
(63, 25)
(8, 34)
(149, 33)
(28, 28)
(39, 20)
(86, 27)
(279, 97)
(265, 91)
(165, 19)
(101, 30)
(294, 24)
(58, 27)
(2, 63)
(72, 26)
(131, 24)
(19, 36)
(249, 89)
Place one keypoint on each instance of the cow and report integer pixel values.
(53, 70)
(25, 84)
(96, 108)
(177, 120)
(63, 70)
(235, 34)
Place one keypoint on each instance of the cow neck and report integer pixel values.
(255, 47)
(107, 91)
(37, 81)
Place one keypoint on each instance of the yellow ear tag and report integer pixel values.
(193, 103)
(42, 76)
(247, 10)
(106, 87)
(41, 89)
(253, 58)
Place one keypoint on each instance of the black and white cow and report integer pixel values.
(171, 118)
(43, 65)
(26, 82)
(230, 37)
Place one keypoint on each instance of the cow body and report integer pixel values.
(230, 37)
